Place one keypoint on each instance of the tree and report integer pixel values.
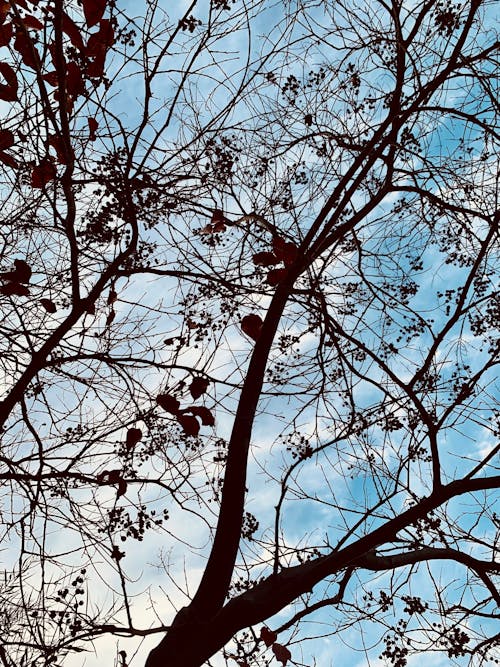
(249, 310)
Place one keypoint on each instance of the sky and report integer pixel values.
(319, 486)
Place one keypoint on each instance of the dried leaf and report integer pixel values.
(58, 145)
(32, 23)
(49, 305)
(72, 31)
(8, 91)
(198, 387)
(43, 173)
(6, 139)
(168, 403)
(265, 259)
(24, 46)
(207, 418)
(93, 11)
(282, 653)
(286, 251)
(74, 81)
(93, 125)
(11, 289)
(5, 34)
(252, 325)
(268, 636)
(190, 425)
(134, 436)
(51, 78)
(21, 273)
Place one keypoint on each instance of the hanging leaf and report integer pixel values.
(20, 274)
(207, 418)
(58, 145)
(43, 173)
(6, 139)
(93, 125)
(49, 305)
(5, 34)
(134, 435)
(99, 42)
(276, 276)
(198, 387)
(218, 221)
(252, 325)
(8, 91)
(282, 653)
(168, 403)
(32, 23)
(51, 78)
(27, 51)
(74, 81)
(4, 10)
(265, 259)
(11, 289)
(70, 28)
(93, 11)
(190, 425)
(286, 251)
(268, 636)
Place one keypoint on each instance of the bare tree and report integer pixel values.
(249, 303)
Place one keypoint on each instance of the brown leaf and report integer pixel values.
(6, 139)
(58, 145)
(207, 418)
(265, 259)
(21, 273)
(32, 23)
(24, 46)
(10, 289)
(74, 81)
(134, 436)
(49, 305)
(282, 653)
(93, 125)
(51, 78)
(8, 91)
(168, 403)
(252, 325)
(5, 34)
(198, 387)
(190, 425)
(43, 173)
(72, 31)
(93, 11)
(268, 636)
(286, 251)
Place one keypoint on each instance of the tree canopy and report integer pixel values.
(249, 297)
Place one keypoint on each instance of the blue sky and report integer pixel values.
(326, 491)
